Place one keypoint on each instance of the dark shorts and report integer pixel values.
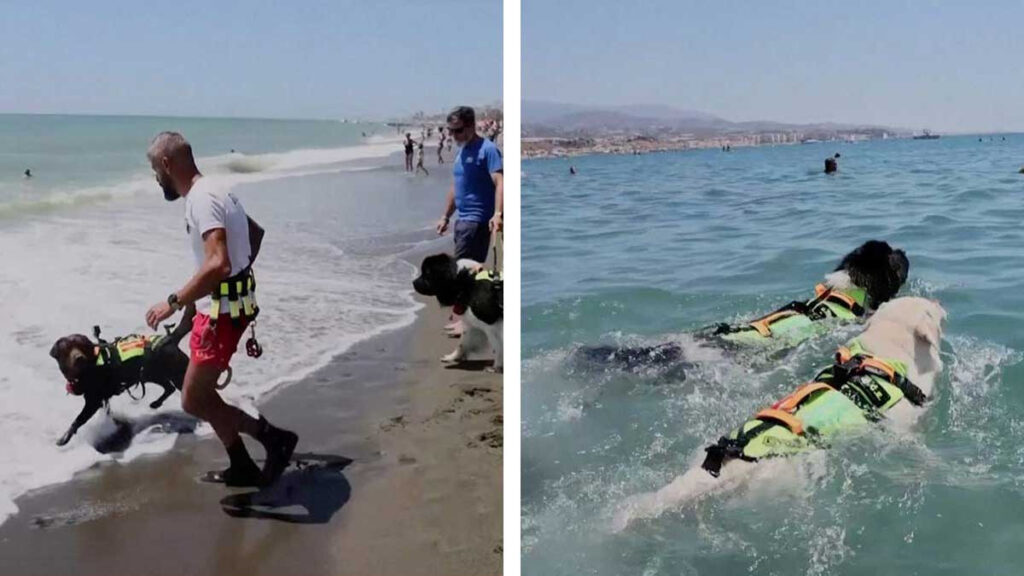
(472, 239)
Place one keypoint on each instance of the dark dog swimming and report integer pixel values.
(867, 277)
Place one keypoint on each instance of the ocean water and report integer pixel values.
(643, 249)
(89, 240)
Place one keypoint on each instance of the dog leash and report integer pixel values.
(496, 240)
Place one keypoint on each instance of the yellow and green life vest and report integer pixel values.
(797, 321)
(126, 348)
(857, 389)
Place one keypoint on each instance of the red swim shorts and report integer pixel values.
(214, 344)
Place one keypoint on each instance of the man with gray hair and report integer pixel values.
(225, 242)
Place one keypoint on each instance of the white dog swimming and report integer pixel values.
(885, 375)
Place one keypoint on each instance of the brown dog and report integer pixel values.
(101, 370)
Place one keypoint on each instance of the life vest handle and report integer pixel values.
(824, 294)
(792, 402)
(866, 360)
(785, 418)
(763, 325)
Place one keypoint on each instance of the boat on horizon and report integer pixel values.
(927, 136)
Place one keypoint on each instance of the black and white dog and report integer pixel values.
(874, 269)
(474, 295)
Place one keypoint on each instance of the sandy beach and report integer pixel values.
(405, 477)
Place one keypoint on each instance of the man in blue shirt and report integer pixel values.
(478, 190)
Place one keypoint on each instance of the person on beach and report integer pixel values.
(225, 243)
(419, 161)
(440, 146)
(477, 191)
(408, 151)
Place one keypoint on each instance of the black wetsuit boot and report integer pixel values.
(242, 471)
(279, 444)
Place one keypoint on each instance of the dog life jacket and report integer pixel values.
(117, 356)
(239, 291)
(496, 284)
(858, 388)
(796, 319)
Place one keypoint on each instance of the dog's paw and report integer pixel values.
(455, 356)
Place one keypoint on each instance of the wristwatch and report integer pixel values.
(173, 302)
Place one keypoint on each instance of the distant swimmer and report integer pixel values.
(28, 172)
(572, 170)
(831, 164)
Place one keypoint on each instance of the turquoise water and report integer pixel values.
(70, 154)
(641, 249)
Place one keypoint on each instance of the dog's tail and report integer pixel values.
(184, 327)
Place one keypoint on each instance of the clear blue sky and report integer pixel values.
(952, 66)
(334, 59)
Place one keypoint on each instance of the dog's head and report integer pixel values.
(878, 268)
(75, 356)
(439, 277)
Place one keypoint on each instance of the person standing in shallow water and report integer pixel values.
(419, 161)
(225, 243)
(408, 151)
(440, 145)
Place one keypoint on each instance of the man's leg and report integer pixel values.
(471, 241)
(200, 399)
(212, 348)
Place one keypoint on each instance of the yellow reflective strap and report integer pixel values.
(214, 307)
(233, 307)
(247, 305)
(224, 288)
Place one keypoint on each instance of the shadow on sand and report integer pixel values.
(313, 483)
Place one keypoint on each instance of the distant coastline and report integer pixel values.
(560, 129)
(558, 147)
